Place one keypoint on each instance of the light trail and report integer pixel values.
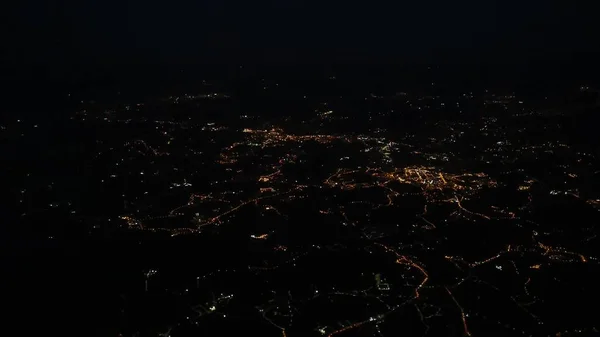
(428, 222)
(422, 319)
(462, 313)
(401, 259)
(232, 210)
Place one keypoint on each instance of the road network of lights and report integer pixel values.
(452, 192)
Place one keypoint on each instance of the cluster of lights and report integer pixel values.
(433, 183)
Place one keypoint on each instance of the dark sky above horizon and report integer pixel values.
(66, 33)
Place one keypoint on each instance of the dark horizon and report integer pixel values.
(73, 36)
(549, 76)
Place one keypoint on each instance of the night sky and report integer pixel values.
(58, 38)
